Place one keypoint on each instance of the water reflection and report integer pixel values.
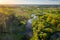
(30, 20)
(29, 31)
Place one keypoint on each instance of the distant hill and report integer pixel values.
(17, 5)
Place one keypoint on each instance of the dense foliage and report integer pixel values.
(46, 24)
(13, 21)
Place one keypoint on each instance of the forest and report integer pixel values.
(29, 22)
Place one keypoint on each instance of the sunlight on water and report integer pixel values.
(30, 20)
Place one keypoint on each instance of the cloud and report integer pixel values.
(29, 1)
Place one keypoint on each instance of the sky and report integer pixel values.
(30, 2)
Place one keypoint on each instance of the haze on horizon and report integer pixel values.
(30, 2)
